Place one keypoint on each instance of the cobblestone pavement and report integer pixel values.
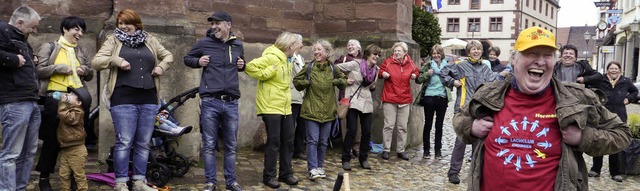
(394, 174)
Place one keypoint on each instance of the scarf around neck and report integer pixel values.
(134, 40)
(70, 54)
(612, 80)
(368, 73)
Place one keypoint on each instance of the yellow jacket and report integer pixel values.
(273, 73)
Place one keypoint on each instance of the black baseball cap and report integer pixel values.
(219, 16)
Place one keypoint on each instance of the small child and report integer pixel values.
(71, 135)
(168, 127)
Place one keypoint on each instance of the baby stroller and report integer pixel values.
(164, 162)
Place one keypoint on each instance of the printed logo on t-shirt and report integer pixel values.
(534, 140)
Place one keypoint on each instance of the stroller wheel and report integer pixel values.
(179, 165)
(158, 174)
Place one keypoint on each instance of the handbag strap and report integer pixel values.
(354, 93)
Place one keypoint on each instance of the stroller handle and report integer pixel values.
(179, 99)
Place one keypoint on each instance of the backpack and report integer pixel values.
(335, 126)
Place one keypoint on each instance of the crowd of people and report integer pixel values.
(529, 120)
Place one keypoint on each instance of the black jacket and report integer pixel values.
(221, 75)
(624, 88)
(591, 77)
(16, 83)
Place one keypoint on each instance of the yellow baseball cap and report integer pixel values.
(535, 36)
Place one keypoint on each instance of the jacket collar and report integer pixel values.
(232, 36)
(487, 96)
(18, 33)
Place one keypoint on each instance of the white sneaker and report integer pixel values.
(177, 131)
(121, 186)
(141, 185)
(322, 173)
(314, 174)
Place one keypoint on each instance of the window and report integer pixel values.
(495, 24)
(527, 3)
(475, 4)
(454, 2)
(551, 30)
(535, 4)
(540, 8)
(552, 12)
(526, 23)
(497, 1)
(533, 24)
(546, 10)
(453, 24)
(474, 25)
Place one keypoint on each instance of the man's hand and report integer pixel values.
(157, 71)
(626, 101)
(481, 127)
(571, 135)
(80, 71)
(385, 75)
(21, 60)
(240, 63)
(204, 61)
(413, 76)
(126, 66)
(580, 80)
(457, 83)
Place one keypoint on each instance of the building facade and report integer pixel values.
(496, 22)
(622, 41)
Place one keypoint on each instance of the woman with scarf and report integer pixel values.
(61, 65)
(361, 79)
(135, 60)
(397, 71)
(319, 78)
(434, 98)
(354, 52)
(620, 91)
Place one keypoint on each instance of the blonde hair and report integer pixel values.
(473, 44)
(327, 47)
(286, 40)
(402, 45)
(439, 50)
(24, 13)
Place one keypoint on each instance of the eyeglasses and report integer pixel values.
(376, 54)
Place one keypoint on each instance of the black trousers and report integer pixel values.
(47, 133)
(280, 133)
(300, 129)
(614, 164)
(352, 125)
(437, 105)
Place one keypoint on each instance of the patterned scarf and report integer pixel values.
(368, 73)
(612, 80)
(134, 40)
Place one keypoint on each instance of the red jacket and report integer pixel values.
(397, 88)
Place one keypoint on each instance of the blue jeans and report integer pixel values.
(219, 116)
(20, 122)
(133, 124)
(317, 141)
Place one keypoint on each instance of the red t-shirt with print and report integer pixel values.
(523, 149)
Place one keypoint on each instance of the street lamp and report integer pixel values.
(473, 29)
(587, 37)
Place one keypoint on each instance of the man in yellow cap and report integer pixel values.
(532, 128)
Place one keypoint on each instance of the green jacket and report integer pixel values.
(274, 76)
(603, 132)
(319, 102)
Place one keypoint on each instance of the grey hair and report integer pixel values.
(402, 45)
(327, 47)
(355, 42)
(24, 13)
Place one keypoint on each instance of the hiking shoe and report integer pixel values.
(44, 184)
(403, 156)
(346, 166)
(426, 155)
(385, 155)
(210, 187)
(121, 186)
(617, 178)
(234, 187)
(271, 183)
(454, 179)
(314, 174)
(593, 174)
(141, 185)
(365, 165)
(290, 180)
(438, 155)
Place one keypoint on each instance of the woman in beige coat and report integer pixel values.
(135, 61)
(361, 80)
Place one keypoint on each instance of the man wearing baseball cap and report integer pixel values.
(532, 128)
(220, 55)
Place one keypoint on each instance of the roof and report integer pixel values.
(576, 38)
(562, 36)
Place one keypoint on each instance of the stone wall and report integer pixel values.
(178, 24)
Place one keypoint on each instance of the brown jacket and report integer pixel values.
(107, 58)
(70, 132)
(46, 68)
(603, 132)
